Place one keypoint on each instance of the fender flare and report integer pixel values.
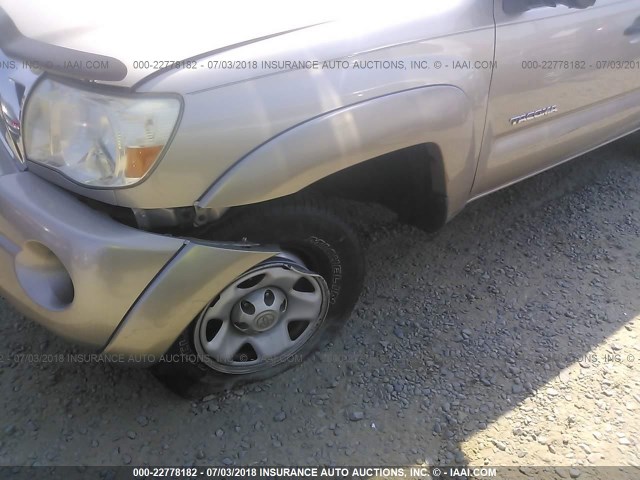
(296, 158)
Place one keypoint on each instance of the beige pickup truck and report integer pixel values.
(168, 176)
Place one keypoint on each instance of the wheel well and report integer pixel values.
(409, 181)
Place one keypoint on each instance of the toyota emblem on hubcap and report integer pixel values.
(265, 320)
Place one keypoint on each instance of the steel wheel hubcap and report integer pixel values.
(260, 310)
(263, 318)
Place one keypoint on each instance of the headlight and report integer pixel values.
(97, 140)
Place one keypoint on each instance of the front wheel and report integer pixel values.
(280, 311)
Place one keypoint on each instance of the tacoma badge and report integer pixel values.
(533, 115)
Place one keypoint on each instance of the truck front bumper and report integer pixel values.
(97, 282)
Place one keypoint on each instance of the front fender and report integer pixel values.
(312, 150)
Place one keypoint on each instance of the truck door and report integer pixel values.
(567, 80)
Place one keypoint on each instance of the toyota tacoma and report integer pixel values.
(169, 178)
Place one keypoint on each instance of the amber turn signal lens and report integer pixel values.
(140, 160)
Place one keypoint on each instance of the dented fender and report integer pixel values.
(296, 158)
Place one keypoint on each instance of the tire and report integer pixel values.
(311, 233)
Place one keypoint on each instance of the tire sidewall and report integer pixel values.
(326, 245)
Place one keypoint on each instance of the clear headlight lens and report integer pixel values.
(97, 140)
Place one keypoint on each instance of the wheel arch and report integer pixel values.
(437, 120)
